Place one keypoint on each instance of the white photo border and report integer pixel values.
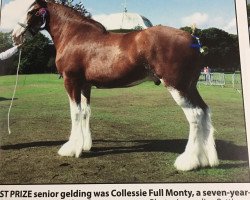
(243, 35)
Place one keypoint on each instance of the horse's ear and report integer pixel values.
(41, 3)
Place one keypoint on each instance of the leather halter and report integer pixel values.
(42, 12)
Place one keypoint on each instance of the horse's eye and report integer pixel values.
(32, 12)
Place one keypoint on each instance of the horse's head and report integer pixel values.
(33, 21)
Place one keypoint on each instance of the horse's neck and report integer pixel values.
(60, 23)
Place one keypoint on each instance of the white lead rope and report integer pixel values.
(14, 92)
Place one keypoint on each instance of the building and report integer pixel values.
(123, 22)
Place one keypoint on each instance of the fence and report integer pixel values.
(236, 81)
(212, 79)
(222, 79)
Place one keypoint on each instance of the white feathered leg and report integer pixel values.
(200, 150)
(86, 112)
(209, 139)
(75, 144)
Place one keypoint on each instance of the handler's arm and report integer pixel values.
(10, 52)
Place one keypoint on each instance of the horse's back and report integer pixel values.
(167, 37)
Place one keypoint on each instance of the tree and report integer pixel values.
(38, 56)
(222, 48)
(6, 66)
(188, 29)
(35, 55)
(5, 41)
(76, 6)
(138, 28)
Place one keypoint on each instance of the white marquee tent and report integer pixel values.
(125, 20)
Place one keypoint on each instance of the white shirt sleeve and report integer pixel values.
(7, 54)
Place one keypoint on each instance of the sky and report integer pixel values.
(175, 13)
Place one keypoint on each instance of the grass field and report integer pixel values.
(137, 134)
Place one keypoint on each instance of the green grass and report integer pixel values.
(137, 134)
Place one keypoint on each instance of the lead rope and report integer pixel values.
(14, 92)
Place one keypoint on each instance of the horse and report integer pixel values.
(88, 55)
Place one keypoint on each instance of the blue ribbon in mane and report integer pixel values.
(197, 45)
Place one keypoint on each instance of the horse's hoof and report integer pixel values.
(87, 145)
(186, 162)
(213, 159)
(68, 149)
(212, 155)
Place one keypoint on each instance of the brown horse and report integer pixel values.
(88, 55)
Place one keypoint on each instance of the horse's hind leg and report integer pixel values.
(200, 150)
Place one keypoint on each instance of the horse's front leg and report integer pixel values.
(75, 144)
(86, 112)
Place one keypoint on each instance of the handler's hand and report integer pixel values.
(19, 46)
